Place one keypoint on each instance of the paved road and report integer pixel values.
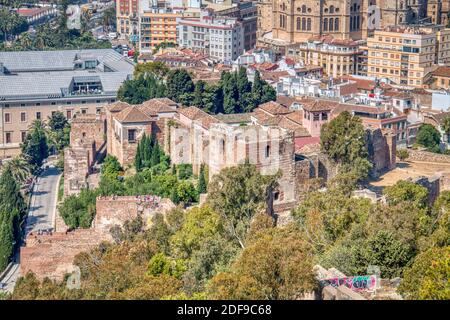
(40, 215)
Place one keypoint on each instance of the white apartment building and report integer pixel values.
(222, 38)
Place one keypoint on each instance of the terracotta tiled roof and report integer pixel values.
(285, 100)
(296, 116)
(362, 84)
(192, 113)
(348, 89)
(442, 72)
(117, 106)
(158, 105)
(317, 105)
(439, 117)
(274, 108)
(133, 114)
(234, 118)
(199, 115)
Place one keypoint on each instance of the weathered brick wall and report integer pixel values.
(116, 210)
(417, 155)
(382, 149)
(77, 162)
(433, 185)
(52, 255)
(88, 128)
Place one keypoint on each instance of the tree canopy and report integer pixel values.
(343, 139)
(429, 137)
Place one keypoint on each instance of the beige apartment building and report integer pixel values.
(407, 55)
(157, 26)
(127, 12)
(337, 57)
(438, 11)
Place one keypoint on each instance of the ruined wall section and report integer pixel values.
(382, 149)
(114, 210)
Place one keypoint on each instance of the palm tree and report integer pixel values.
(19, 167)
(108, 18)
(25, 41)
(85, 18)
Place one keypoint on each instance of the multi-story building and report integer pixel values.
(156, 26)
(34, 84)
(246, 13)
(220, 37)
(296, 21)
(127, 13)
(438, 11)
(265, 16)
(337, 57)
(407, 55)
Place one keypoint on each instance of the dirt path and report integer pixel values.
(411, 169)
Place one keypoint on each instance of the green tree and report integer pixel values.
(402, 154)
(343, 139)
(178, 82)
(199, 90)
(277, 264)
(407, 191)
(237, 194)
(429, 137)
(35, 148)
(199, 223)
(186, 192)
(157, 69)
(78, 211)
(19, 167)
(428, 277)
(111, 166)
(202, 182)
(6, 238)
(390, 254)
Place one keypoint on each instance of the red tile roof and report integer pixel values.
(274, 108)
(442, 72)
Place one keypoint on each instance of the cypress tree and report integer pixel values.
(201, 187)
(138, 159)
(155, 154)
(174, 170)
(174, 195)
(6, 239)
(257, 88)
(198, 94)
(147, 151)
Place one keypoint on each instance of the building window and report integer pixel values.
(316, 117)
(267, 151)
(132, 135)
(298, 23)
(8, 137)
(69, 114)
(7, 117)
(23, 135)
(303, 23)
(324, 116)
(23, 117)
(38, 115)
(83, 111)
(336, 24)
(308, 24)
(325, 24)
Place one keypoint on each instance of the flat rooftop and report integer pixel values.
(63, 73)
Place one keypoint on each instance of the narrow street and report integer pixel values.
(41, 215)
